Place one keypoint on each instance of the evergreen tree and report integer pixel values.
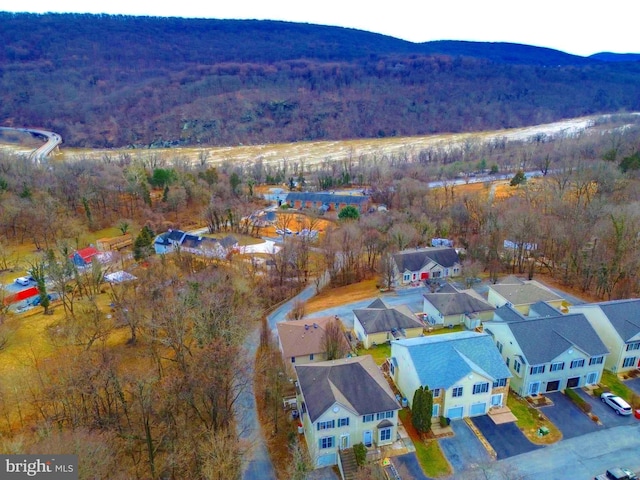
(421, 409)
(142, 246)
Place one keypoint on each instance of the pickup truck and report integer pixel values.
(617, 474)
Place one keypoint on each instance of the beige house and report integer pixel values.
(303, 341)
(521, 294)
(342, 403)
(464, 370)
(425, 264)
(618, 325)
(379, 323)
(549, 352)
(450, 306)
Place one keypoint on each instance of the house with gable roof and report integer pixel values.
(521, 294)
(464, 370)
(303, 341)
(618, 325)
(342, 403)
(379, 323)
(450, 306)
(547, 351)
(84, 256)
(421, 264)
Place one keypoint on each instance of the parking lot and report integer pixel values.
(634, 385)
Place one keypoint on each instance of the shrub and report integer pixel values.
(360, 452)
(578, 400)
(443, 421)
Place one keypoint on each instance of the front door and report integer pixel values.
(592, 378)
(496, 400)
(368, 438)
(344, 442)
(573, 382)
(534, 388)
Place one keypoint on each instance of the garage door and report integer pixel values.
(454, 413)
(327, 460)
(477, 409)
(553, 386)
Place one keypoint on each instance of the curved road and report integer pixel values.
(53, 140)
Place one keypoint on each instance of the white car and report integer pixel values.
(619, 405)
(24, 281)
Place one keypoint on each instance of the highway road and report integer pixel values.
(40, 154)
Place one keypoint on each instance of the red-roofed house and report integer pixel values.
(84, 256)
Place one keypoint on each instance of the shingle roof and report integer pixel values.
(543, 309)
(507, 314)
(357, 383)
(175, 235)
(511, 280)
(228, 241)
(624, 315)
(414, 260)
(543, 339)
(380, 318)
(457, 303)
(303, 337)
(525, 293)
(442, 360)
(326, 197)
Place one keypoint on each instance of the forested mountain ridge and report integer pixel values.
(107, 81)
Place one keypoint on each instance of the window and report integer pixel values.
(293, 359)
(556, 366)
(481, 388)
(508, 362)
(436, 392)
(385, 434)
(577, 363)
(327, 442)
(407, 277)
(629, 362)
(537, 369)
(633, 346)
(343, 422)
(311, 357)
(500, 382)
(367, 418)
(392, 368)
(326, 425)
(436, 274)
(596, 360)
(456, 392)
(499, 345)
(516, 365)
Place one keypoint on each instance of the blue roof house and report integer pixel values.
(464, 370)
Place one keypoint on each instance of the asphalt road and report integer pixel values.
(506, 439)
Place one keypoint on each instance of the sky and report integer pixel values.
(572, 26)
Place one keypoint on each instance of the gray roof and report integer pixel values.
(357, 383)
(457, 303)
(525, 293)
(442, 360)
(380, 318)
(175, 235)
(543, 309)
(543, 339)
(447, 288)
(511, 280)
(326, 197)
(506, 313)
(228, 241)
(624, 315)
(414, 259)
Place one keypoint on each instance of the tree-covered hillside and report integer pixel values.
(115, 80)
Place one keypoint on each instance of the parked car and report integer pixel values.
(619, 405)
(617, 474)
(24, 281)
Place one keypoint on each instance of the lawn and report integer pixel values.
(335, 297)
(380, 353)
(617, 386)
(430, 456)
(530, 420)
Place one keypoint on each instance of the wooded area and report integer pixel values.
(113, 81)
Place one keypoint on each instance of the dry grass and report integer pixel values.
(339, 296)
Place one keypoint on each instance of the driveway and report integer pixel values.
(463, 450)
(569, 419)
(633, 384)
(506, 439)
(408, 467)
(605, 413)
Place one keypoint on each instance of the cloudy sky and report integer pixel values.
(577, 27)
